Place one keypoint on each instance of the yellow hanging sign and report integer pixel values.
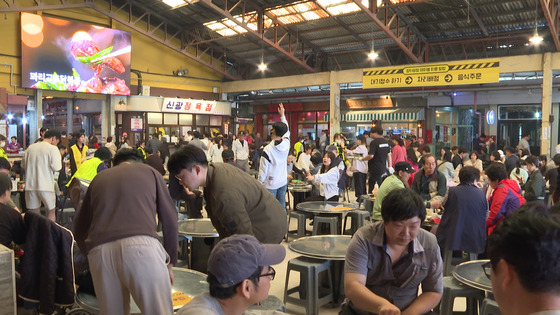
(433, 74)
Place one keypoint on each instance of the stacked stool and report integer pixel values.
(358, 219)
(308, 288)
(301, 218)
(332, 222)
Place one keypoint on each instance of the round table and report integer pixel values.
(328, 208)
(472, 274)
(197, 228)
(204, 236)
(189, 282)
(332, 247)
(300, 192)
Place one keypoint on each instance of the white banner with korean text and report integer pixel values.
(180, 105)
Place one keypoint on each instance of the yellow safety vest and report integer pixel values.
(143, 152)
(297, 147)
(88, 170)
(3, 154)
(79, 156)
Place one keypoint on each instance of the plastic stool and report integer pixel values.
(490, 307)
(452, 289)
(358, 220)
(331, 221)
(66, 215)
(308, 288)
(301, 218)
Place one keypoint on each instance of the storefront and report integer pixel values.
(454, 127)
(516, 120)
(172, 117)
(402, 121)
(303, 119)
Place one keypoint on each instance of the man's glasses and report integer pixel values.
(271, 274)
(487, 267)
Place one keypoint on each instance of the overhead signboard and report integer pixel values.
(179, 105)
(433, 74)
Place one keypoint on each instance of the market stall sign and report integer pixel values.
(433, 74)
(289, 107)
(180, 105)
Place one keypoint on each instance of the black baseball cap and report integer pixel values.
(404, 166)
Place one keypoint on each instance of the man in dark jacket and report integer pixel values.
(430, 184)
(463, 224)
(236, 203)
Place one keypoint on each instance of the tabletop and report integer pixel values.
(326, 207)
(472, 274)
(189, 282)
(197, 228)
(331, 247)
(303, 187)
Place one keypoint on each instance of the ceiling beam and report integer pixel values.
(274, 44)
(477, 18)
(550, 9)
(343, 25)
(388, 31)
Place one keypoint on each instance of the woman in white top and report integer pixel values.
(474, 161)
(520, 173)
(446, 167)
(327, 179)
(215, 151)
(240, 148)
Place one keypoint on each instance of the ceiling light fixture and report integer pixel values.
(536, 39)
(372, 54)
(174, 4)
(262, 66)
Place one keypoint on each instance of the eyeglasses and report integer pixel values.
(487, 267)
(178, 177)
(271, 274)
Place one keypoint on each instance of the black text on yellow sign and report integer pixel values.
(449, 73)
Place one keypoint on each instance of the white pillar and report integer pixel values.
(546, 131)
(69, 116)
(34, 117)
(334, 105)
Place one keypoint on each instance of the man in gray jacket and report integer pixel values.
(235, 202)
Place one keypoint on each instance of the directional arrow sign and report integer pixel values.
(433, 74)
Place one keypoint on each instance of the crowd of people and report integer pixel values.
(490, 201)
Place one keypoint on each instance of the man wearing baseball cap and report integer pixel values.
(239, 275)
(399, 179)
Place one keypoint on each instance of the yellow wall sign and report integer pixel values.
(434, 74)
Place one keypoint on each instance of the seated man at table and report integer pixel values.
(429, 183)
(235, 202)
(399, 179)
(524, 252)
(386, 262)
(239, 275)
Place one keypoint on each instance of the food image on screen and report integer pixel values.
(68, 56)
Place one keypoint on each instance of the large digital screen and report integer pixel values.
(64, 55)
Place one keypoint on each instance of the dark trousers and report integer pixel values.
(360, 184)
(373, 179)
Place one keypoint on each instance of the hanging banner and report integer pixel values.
(433, 74)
